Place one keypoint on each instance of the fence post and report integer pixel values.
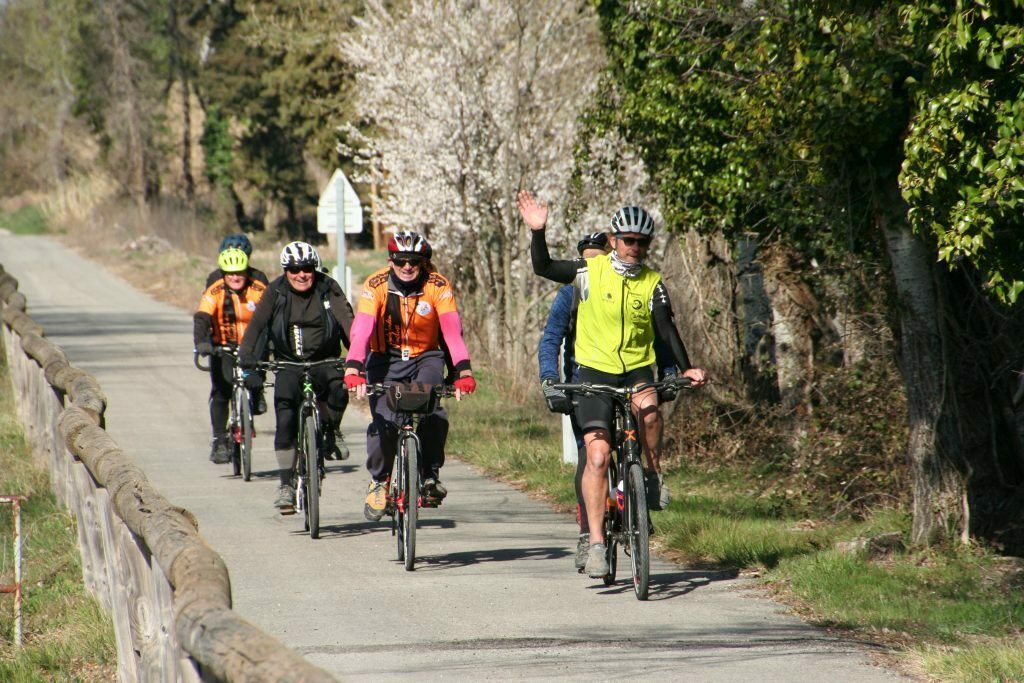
(15, 587)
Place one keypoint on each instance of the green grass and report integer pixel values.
(27, 220)
(67, 636)
(954, 615)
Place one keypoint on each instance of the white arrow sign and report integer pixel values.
(339, 191)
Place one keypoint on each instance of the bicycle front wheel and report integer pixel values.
(412, 499)
(638, 530)
(312, 479)
(247, 430)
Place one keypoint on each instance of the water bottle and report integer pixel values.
(619, 497)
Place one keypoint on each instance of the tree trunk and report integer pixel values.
(940, 510)
(794, 310)
(700, 276)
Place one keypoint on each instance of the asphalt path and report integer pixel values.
(494, 594)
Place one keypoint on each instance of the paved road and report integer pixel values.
(494, 596)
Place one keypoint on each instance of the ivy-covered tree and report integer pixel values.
(786, 120)
(963, 176)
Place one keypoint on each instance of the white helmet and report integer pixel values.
(299, 254)
(632, 219)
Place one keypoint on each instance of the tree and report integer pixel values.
(786, 120)
(468, 103)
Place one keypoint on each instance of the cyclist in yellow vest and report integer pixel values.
(622, 302)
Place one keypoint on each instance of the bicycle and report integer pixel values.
(240, 423)
(626, 520)
(410, 401)
(308, 472)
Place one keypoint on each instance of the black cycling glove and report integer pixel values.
(253, 381)
(247, 362)
(558, 402)
(204, 348)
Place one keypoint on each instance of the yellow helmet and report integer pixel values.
(233, 260)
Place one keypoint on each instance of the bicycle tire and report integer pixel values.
(412, 499)
(398, 517)
(234, 435)
(612, 526)
(247, 430)
(312, 480)
(638, 530)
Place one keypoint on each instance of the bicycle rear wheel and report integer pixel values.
(247, 430)
(412, 499)
(638, 530)
(312, 480)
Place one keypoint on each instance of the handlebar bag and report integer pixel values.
(412, 397)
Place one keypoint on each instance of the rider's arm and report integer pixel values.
(555, 330)
(665, 326)
(202, 327)
(559, 271)
(451, 329)
(663, 357)
(362, 330)
(257, 324)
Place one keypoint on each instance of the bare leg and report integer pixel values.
(651, 427)
(595, 481)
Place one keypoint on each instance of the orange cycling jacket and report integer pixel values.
(224, 314)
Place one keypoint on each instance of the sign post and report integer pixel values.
(340, 212)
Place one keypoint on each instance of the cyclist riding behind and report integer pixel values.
(306, 316)
(237, 241)
(622, 302)
(225, 309)
(405, 314)
(559, 331)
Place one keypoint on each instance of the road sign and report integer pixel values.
(339, 192)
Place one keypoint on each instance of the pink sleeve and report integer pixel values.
(362, 329)
(451, 328)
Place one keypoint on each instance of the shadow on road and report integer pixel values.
(384, 526)
(465, 559)
(664, 586)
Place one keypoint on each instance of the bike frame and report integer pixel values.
(239, 393)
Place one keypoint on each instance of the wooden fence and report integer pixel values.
(168, 592)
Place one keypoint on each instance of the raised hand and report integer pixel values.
(533, 211)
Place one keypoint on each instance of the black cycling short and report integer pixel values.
(598, 412)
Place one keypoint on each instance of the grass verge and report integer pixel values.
(27, 220)
(946, 615)
(66, 634)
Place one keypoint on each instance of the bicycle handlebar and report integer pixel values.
(381, 388)
(217, 351)
(586, 388)
(276, 365)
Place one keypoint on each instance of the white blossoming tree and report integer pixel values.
(469, 101)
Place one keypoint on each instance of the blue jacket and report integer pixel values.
(560, 327)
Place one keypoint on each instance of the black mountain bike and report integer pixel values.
(308, 472)
(410, 401)
(240, 424)
(627, 518)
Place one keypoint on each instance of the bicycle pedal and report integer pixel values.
(429, 502)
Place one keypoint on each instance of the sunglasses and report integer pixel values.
(402, 262)
(294, 270)
(636, 241)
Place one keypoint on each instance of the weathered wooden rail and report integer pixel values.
(168, 592)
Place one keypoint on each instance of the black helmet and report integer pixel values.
(595, 240)
(237, 241)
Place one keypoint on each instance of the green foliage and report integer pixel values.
(965, 149)
(28, 220)
(276, 76)
(217, 148)
(781, 118)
